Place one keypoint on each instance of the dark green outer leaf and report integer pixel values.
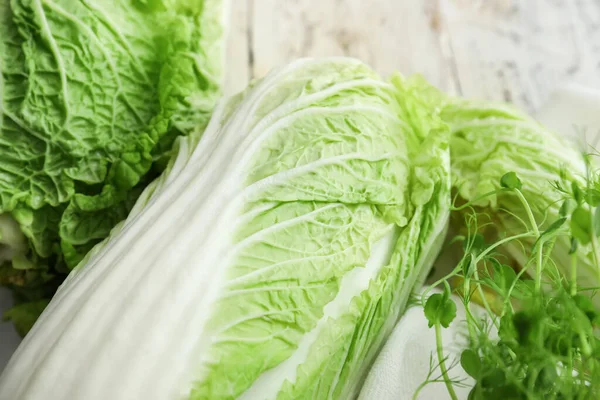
(92, 94)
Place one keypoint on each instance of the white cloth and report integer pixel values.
(403, 363)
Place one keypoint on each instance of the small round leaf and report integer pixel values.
(510, 180)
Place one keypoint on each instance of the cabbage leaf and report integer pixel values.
(271, 260)
(92, 96)
(489, 140)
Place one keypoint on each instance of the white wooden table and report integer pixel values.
(512, 50)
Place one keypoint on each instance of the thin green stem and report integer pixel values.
(593, 238)
(594, 242)
(536, 231)
(421, 386)
(573, 274)
(440, 281)
(507, 303)
(499, 243)
(585, 344)
(538, 269)
(529, 212)
(476, 199)
(442, 361)
(486, 305)
(467, 303)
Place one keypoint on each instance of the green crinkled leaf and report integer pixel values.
(291, 237)
(495, 148)
(92, 93)
(24, 315)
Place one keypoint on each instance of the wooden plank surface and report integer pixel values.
(237, 73)
(518, 51)
(514, 50)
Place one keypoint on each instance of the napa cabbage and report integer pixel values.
(556, 178)
(270, 260)
(92, 95)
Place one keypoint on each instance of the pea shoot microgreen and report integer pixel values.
(547, 344)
